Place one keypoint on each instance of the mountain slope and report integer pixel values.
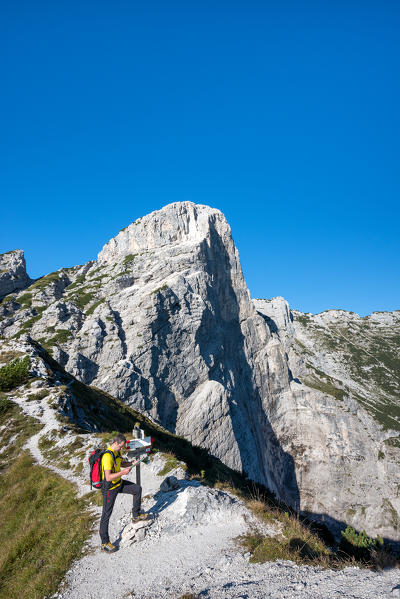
(163, 321)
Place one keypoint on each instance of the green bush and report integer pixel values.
(14, 374)
(5, 406)
(81, 298)
(359, 544)
(303, 319)
(61, 336)
(129, 258)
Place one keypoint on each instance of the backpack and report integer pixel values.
(95, 467)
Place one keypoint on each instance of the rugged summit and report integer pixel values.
(13, 274)
(163, 320)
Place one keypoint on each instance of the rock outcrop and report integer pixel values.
(344, 430)
(13, 276)
(163, 320)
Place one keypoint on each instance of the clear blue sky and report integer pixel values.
(284, 115)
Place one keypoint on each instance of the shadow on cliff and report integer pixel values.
(161, 331)
(85, 368)
(263, 458)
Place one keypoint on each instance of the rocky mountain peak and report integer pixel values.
(163, 320)
(177, 223)
(13, 275)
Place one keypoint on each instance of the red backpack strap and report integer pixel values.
(101, 461)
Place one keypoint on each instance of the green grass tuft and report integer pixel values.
(295, 542)
(43, 282)
(78, 281)
(41, 394)
(25, 301)
(170, 464)
(61, 336)
(93, 307)
(165, 286)
(81, 298)
(10, 355)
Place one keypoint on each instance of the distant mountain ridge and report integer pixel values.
(163, 320)
(342, 354)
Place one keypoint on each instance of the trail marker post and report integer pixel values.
(138, 447)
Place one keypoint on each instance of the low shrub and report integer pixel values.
(359, 544)
(5, 406)
(81, 298)
(14, 374)
(78, 281)
(61, 336)
(129, 258)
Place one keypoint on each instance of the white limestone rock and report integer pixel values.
(338, 417)
(13, 275)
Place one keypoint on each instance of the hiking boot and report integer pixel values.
(108, 547)
(140, 517)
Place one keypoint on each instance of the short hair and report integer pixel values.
(119, 438)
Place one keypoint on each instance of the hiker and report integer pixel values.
(112, 484)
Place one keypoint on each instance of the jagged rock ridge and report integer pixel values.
(163, 320)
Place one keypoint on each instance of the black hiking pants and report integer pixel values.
(109, 498)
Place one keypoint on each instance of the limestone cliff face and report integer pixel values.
(13, 274)
(347, 461)
(163, 320)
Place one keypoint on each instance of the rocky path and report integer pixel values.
(190, 548)
(46, 415)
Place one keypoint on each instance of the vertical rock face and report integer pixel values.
(163, 320)
(347, 463)
(13, 275)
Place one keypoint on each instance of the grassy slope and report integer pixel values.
(42, 524)
(370, 357)
(43, 527)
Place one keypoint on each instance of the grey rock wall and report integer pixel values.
(346, 463)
